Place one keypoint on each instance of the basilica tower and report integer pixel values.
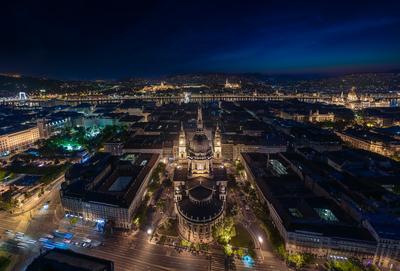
(200, 125)
(182, 144)
(217, 144)
(200, 149)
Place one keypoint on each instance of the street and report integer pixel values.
(131, 251)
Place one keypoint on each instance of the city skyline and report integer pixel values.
(201, 136)
(119, 40)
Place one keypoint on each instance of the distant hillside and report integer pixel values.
(11, 85)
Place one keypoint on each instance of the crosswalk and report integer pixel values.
(137, 254)
(218, 263)
(145, 256)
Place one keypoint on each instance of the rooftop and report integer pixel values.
(300, 208)
(119, 182)
(372, 136)
(144, 142)
(67, 260)
(201, 211)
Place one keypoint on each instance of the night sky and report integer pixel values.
(89, 40)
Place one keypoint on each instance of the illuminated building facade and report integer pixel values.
(199, 185)
(307, 222)
(231, 85)
(355, 101)
(370, 141)
(352, 95)
(20, 139)
(320, 117)
(48, 127)
(312, 116)
(107, 188)
(161, 86)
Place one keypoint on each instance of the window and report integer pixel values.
(326, 214)
(295, 212)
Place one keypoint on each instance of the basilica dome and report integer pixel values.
(199, 195)
(200, 144)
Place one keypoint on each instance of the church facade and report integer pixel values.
(199, 183)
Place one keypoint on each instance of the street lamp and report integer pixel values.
(149, 231)
(260, 239)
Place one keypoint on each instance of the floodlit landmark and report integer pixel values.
(107, 189)
(199, 184)
(231, 85)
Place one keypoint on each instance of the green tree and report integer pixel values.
(5, 261)
(73, 220)
(224, 231)
(240, 252)
(156, 177)
(185, 243)
(297, 259)
(3, 174)
(239, 167)
(228, 250)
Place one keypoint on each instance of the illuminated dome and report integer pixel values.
(199, 194)
(352, 95)
(200, 144)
